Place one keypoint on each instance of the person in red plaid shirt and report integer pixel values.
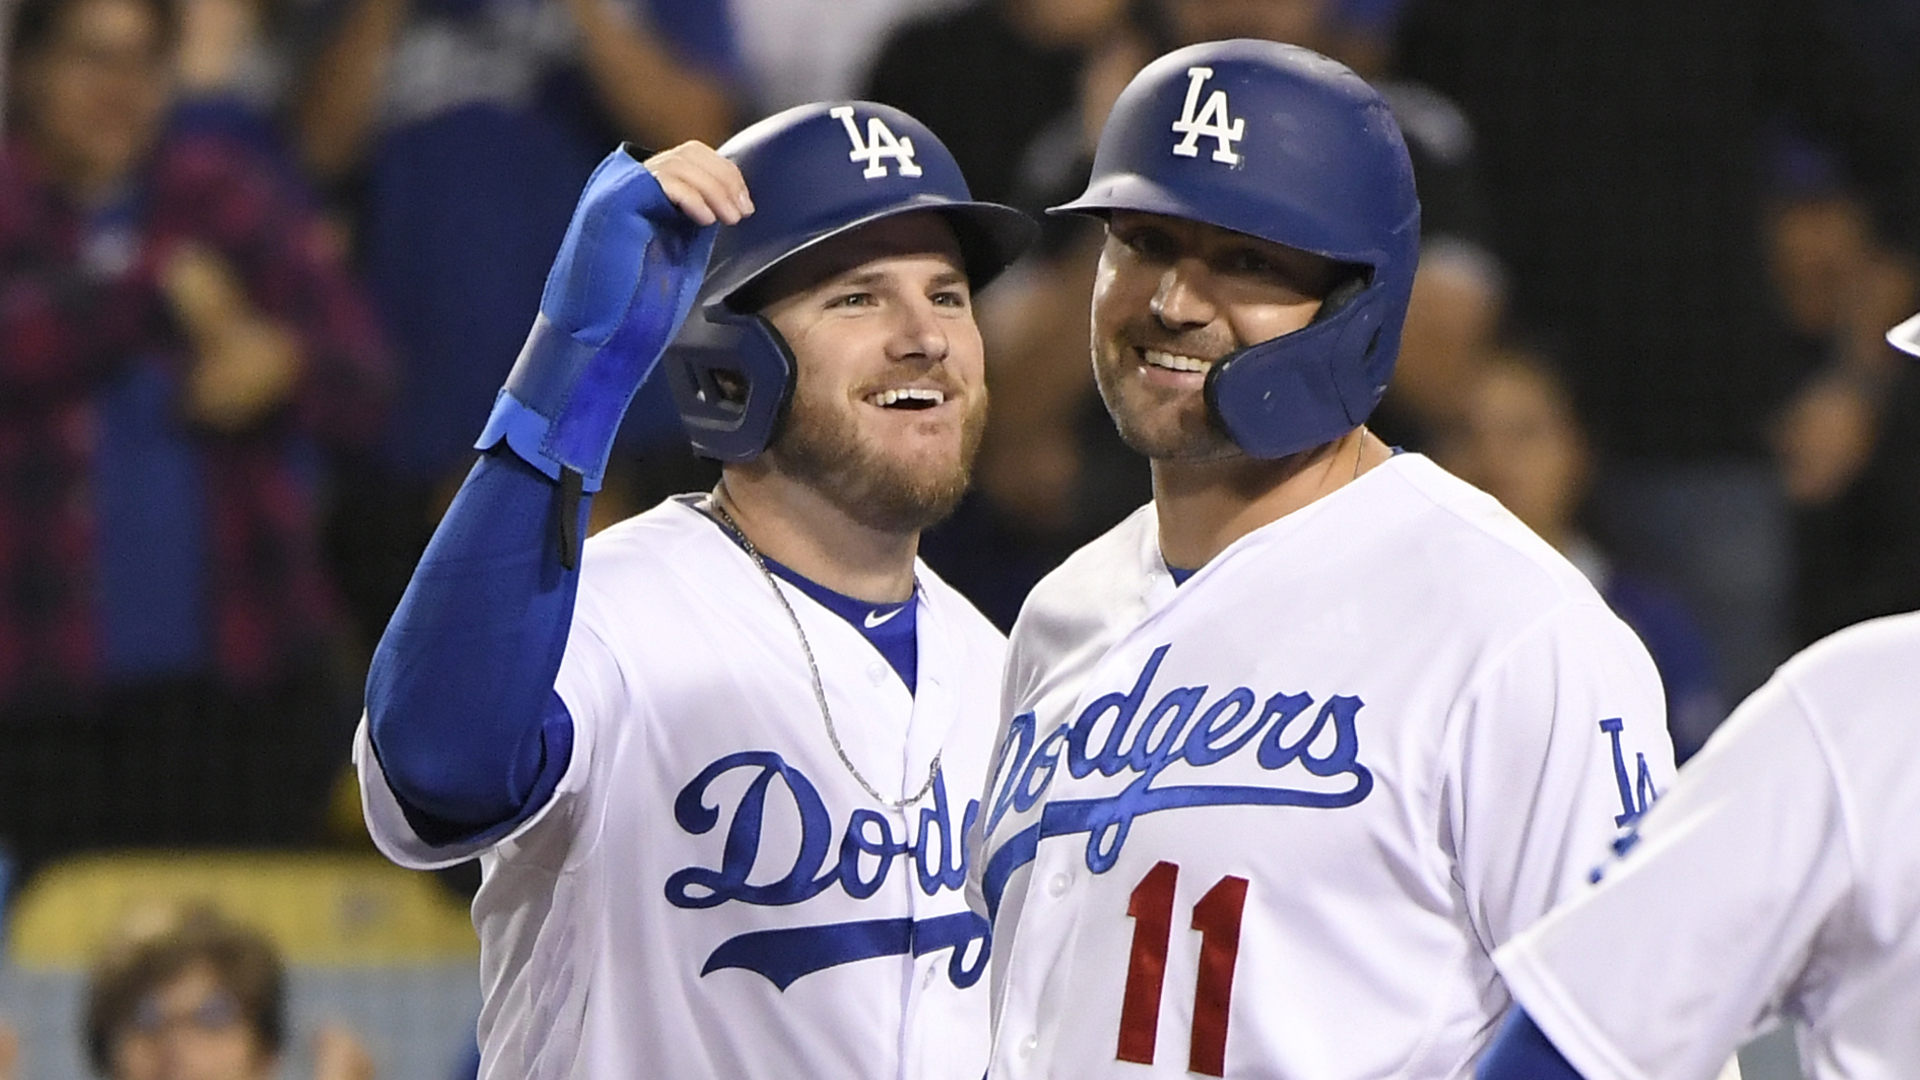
(180, 343)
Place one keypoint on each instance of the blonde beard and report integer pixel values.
(819, 447)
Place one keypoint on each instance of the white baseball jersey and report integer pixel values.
(710, 893)
(1780, 876)
(1273, 822)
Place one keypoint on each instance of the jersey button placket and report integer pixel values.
(1058, 885)
(876, 673)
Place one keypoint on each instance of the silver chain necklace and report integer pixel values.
(813, 669)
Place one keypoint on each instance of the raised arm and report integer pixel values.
(460, 702)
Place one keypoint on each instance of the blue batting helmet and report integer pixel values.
(815, 172)
(1281, 143)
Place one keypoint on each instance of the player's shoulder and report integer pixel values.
(1862, 671)
(1085, 602)
(958, 612)
(1108, 571)
(1460, 538)
(1880, 645)
(1842, 707)
(672, 542)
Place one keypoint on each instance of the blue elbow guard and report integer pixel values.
(626, 276)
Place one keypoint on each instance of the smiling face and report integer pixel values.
(890, 396)
(1171, 298)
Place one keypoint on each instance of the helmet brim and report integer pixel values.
(991, 236)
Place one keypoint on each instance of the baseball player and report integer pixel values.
(1779, 879)
(718, 767)
(1296, 746)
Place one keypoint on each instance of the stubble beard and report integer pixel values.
(1185, 433)
(821, 447)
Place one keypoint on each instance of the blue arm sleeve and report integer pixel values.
(1522, 1052)
(460, 700)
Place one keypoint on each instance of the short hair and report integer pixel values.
(35, 22)
(243, 960)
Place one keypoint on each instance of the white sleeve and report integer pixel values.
(1696, 933)
(1560, 742)
(589, 683)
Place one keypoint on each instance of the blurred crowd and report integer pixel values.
(264, 263)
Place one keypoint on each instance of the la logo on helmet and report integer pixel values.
(1213, 121)
(880, 142)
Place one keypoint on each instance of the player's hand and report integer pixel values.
(627, 274)
(626, 247)
(705, 186)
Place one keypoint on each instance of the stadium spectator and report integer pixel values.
(796, 51)
(1518, 439)
(197, 996)
(989, 78)
(180, 338)
(232, 76)
(1622, 147)
(1857, 517)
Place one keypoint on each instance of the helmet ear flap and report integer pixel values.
(1309, 387)
(732, 378)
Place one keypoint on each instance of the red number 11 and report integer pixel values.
(1217, 917)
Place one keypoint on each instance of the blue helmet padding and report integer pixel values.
(1319, 164)
(814, 172)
